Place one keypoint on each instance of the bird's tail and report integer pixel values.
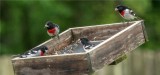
(18, 55)
(58, 37)
(138, 18)
(52, 37)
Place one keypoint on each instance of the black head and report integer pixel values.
(43, 48)
(120, 8)
(84, 41)
(49, 25)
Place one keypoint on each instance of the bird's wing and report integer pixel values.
(26, 53)
(131, 12)
(57, 26)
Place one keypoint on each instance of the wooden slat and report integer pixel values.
(118, 39)
(52, 65)
(54, 44)
(120, 43)
(98, 32)
(144, 31)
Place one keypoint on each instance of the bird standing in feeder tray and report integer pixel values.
(86, 44)
(126, 12)
(38, 51)
(52, 29)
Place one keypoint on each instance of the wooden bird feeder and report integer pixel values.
(114, 41)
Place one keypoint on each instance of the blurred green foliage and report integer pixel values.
(22, 22)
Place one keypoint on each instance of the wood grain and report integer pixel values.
(52, 65)
(121, 43)
(98, 32)
(119, 39)
(54, 44)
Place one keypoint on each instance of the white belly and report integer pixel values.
(128, 16)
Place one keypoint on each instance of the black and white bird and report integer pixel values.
(86, 43)
(38, 51)
(126, 12)
(52, 29)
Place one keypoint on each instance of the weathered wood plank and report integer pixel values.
(54, 44)
(98, 32)
(144, 31)
(120, 43)
(52, 65)
(118, 39)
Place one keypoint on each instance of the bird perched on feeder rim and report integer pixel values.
(126, 12)
(52, 29)
(38, 51)
(86, 43)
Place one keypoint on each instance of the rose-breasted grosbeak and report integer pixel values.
(86, 44)
(52, 29)
(125, 12)
(38, 51)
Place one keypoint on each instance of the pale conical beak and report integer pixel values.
(116, 9)
(45, 26)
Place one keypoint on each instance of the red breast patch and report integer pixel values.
(122, 13)
(42, 54)
(52, 30)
